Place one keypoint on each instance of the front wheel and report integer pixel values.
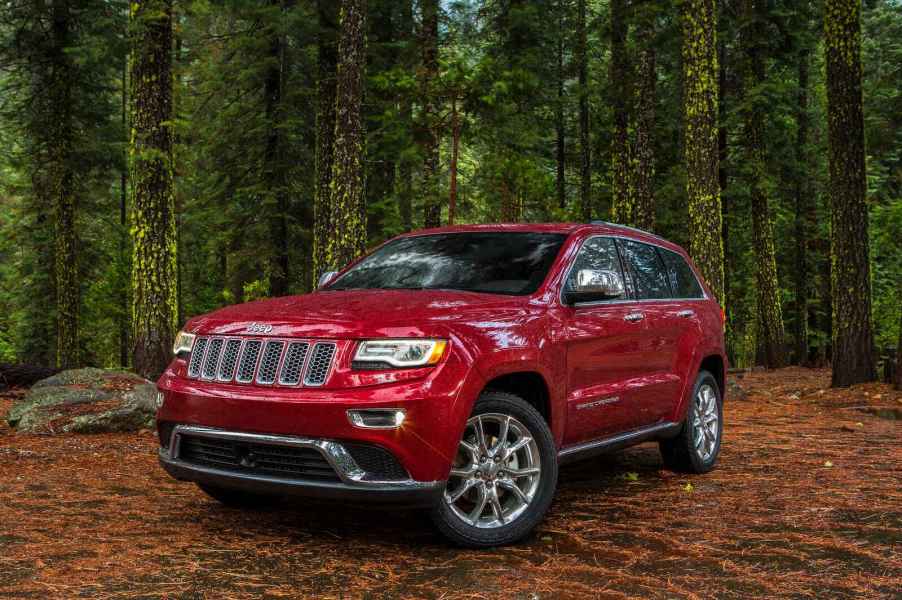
(696, 448)
(503, 478)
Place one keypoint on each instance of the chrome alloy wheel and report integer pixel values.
(705, 422)
(496, 473)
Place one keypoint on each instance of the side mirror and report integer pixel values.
(592, 285)
(326, 278)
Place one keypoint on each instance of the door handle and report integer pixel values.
(634, 317)
(686, 314)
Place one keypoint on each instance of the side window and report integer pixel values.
(682, 279)
(646, 268)
(598, 253)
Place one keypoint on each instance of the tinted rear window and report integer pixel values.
(513, 263)
(682, 279)
(646, 268)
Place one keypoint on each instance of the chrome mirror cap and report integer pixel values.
(326, 278)
(595, 284)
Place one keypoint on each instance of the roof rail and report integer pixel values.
(627, 227)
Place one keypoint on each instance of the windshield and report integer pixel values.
(492, 262)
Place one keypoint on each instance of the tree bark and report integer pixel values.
(643, 155)
(455, 150)
(560, 180)
(802, 201)
(771, 333)
(405, 166)
(432, 208)
(153, 220)
(68, 295)
(622, 209)
(585, 150)
(699, 58)
(123, 231)
(853, 339)
(347, 238)
(327, 60)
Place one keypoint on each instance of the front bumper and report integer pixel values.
(352, 482)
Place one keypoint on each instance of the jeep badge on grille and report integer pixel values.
(259, 328)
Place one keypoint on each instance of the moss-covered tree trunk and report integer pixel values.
(153, 219)
(275, 178)
(853, 339)
(347, 239)
(802, 202)
(622, 210)
(699, 57)
(585, 156)
(432, 208)
(64, 190)
(327, 59)
(771, 334)
(643, 154)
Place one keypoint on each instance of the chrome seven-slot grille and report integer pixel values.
(265, 362)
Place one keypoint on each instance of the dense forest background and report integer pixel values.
(287, 136)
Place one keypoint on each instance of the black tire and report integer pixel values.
(464, 534)
(235, 498)
(679, 453)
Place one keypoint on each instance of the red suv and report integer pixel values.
(453, 368)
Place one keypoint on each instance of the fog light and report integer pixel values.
(377, 418)
(159, 400)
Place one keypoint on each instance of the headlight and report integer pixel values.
(183, 343)
(387, 354)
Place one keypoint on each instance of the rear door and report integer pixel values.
(661, 381)
(604, 342)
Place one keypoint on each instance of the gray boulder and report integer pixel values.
(86, 401)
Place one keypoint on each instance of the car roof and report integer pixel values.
(595, 227)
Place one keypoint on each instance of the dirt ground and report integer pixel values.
(806, 503)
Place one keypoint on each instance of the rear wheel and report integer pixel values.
(503, 478)
(696, 448)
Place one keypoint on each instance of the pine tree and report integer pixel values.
(642, 170)
(585, 157)
(803, 194)
(699, 56)
(432, 208)
(853, 338)
(327, 60)
(347, 239)
(622, 209)
(560, 129)
(771, 336)
(153, 219)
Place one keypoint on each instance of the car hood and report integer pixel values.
(361, 313)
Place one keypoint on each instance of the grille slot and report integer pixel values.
(294, 361)
(320, 361)
(197, 356)
(248, 363)
(287, 462)
(266, 373)
(265, 362)
(229, 360)
(212, 360)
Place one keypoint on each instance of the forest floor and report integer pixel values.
(806, 503)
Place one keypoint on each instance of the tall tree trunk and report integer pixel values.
(898, 382)
(802, 202)
(405, 166)
(622, 209)
(699, 57)
(347, 238)
(274, 178)
(771, 334)
(853, 339)
(123, 231)
(643, 155)
(327, 60)
(585, 174)
(722, 153)
(64, 193)
(432, 208)
(560, 180)
(153, 220)
(455, 150)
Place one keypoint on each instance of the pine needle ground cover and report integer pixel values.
(806, 503)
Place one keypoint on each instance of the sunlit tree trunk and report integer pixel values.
(699, 58)
(153, 219)
(327, 60)
(853, 339)
(622, 210)
(347, 239)
(432, 208)
(771, 335)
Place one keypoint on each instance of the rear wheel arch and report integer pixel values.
(714, 364)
